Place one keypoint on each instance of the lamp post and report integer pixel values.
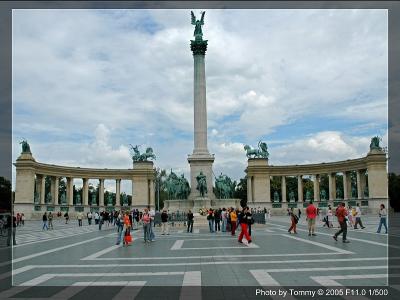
(158, 189)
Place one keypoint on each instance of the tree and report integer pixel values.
(160, 190)
(291, 186)
(276, 186)
(241, 191)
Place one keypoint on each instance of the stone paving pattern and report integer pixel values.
(83, 257)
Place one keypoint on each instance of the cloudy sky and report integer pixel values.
(87, 83)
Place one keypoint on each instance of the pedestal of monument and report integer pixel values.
(201, 163)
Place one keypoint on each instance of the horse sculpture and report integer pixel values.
(144, 156)
(375, 143)
(261, 152)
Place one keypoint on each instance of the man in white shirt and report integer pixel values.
(358, 217)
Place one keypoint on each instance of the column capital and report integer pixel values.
(198, 47)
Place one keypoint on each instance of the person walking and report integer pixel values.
(146, 225)
(217, 220)
(89, 217)
(119, 222)
(152, 214)
(80, 217)
(164, 223)
(250, 220)
(358, 217)
(224, 219)
(299, 213)
(127, 226)
(350, 216)
(245, 220)
(96, 218)
(101, 219)
(382, 221)
(294, 220)
(44, 218)
(11, 226)
(330, 217)
(210, 218)
(190, 221)
(341, 214)
(22, 219)
(66, 216)
(234, 218)
(311, 212)
(50, 220)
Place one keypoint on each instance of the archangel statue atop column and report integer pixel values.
(198, 33)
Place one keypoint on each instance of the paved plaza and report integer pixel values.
(83, 257)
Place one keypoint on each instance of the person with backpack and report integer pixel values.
(164, 222)
(217, 220)
(358, 217)
(341, 214)
(294, 219)
(146, 225)
(245, 220)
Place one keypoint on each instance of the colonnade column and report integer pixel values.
(54, 190)
(283, 188)
(85, 191)
(332, 186)
(152, 194)
(70, 191)
(118, 192)
(249, 189)
(42, 189)
(316, 188)
(359, 185)
(300, 188)
(101, 193)
(346, 186)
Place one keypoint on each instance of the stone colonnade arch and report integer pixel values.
(31, 176)
(371, 172)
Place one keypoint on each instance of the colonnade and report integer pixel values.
(31, 177)
(371, 173)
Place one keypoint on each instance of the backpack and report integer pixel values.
(296, 219)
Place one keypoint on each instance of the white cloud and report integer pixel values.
(87, 83)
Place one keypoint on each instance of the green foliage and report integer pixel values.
(291, 186)
(241, 190)
(276, 184)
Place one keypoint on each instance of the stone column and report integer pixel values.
(346, 186)
(199, 48)
(377, 175)
(85, 191)
(359, 187)
(70, 191)
(152, 194)
(363, 182)
(332, 186)
(250, 189)
(54, 190)
(42, 189)
(283, 188)
(101, 192)
(316, 188)
(300, 188)
(25, 180)
(118, 192)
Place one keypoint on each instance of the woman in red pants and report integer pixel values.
(245, 220)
